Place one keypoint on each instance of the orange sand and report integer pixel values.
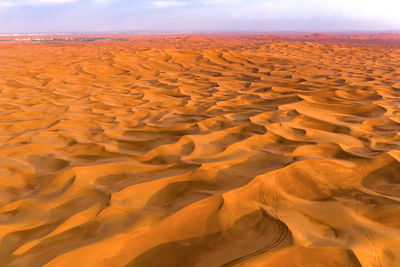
(181, 151)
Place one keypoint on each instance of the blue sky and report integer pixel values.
(34, 16)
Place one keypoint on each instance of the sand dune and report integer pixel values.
(200, 151)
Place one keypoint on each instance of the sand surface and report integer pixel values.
(182, 151)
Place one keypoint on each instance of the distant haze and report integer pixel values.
(49, 16)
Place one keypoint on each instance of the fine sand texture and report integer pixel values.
(200, 151)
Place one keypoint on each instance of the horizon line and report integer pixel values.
(202, 32)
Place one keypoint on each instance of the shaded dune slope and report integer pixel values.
(279, 154)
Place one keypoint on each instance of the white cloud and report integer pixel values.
(384, 10)
(164, 4)
(8, 3)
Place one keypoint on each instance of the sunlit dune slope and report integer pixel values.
(186, 151)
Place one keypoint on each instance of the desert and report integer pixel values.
(200, 150)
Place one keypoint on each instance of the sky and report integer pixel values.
(53, 16)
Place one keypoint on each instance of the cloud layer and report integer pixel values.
(197, 15)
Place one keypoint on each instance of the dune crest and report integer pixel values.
(199, 151)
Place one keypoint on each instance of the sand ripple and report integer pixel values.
(195, 154)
